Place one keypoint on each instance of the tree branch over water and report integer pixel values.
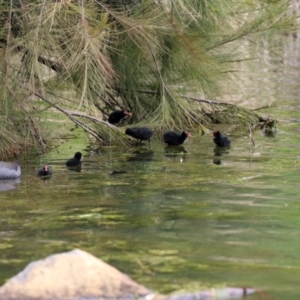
(70, 116)
(145, 58)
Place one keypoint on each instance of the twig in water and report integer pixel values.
(251, 136)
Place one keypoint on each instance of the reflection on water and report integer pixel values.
(217, 161)
(142, 154)
(9, 184)
(118, 172)
(218, 151)
(175, 150)
(75, 168)
(172, 218)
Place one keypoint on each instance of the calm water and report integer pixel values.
(171, 221)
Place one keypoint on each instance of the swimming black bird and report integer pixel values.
(75, 161)
(44, 171)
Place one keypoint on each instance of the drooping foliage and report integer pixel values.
(82, 59)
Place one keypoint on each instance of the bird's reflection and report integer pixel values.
(45, 178)
(217, 161)
(269, 132)
(175, 150)
(218, 151)
(269, 127)
(75, 168)
(9, 184)
(141, 154)
(117, 172)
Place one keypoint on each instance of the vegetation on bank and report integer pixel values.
(162, 60)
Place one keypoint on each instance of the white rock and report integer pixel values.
(71, 275)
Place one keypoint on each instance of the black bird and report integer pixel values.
(220, 139)
(140, 133)
(75, 161)
(174, 138)
(44, 171)
(118, 116)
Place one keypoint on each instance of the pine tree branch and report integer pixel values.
(70, 116)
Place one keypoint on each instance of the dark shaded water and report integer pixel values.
(170, 221)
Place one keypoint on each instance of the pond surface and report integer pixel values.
(171, 220)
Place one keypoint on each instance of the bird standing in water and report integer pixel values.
(140, 133)
(174, 138)
(220, 139)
